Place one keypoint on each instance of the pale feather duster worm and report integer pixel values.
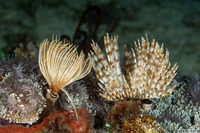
(61, 65)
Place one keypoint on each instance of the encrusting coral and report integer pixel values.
(21, 100)
(21, 93)
(180, 110)
(61, 65)
(147, 71)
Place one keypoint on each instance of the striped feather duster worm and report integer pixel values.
(147, 71)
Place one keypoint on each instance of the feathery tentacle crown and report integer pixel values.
(61, 65)
(147, 71)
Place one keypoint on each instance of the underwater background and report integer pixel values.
(24, 24)
(176, 23)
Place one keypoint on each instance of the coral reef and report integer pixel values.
(24, 73)
(22, 67)
(144, 91)
(22, 88)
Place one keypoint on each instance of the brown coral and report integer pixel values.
(125, 117)
(142, 124)
(122, 111)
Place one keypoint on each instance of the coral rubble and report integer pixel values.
(126, 117)
(58, 121)
(120, 112)
(85, 95)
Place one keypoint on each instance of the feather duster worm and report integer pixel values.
(147, 71)
(61, 65)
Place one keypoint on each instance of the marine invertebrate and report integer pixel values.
(63, 121)
(21, 100)
(177, 111)
(147, 70)
(21, 93)
(79, 95)
(61, 65)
